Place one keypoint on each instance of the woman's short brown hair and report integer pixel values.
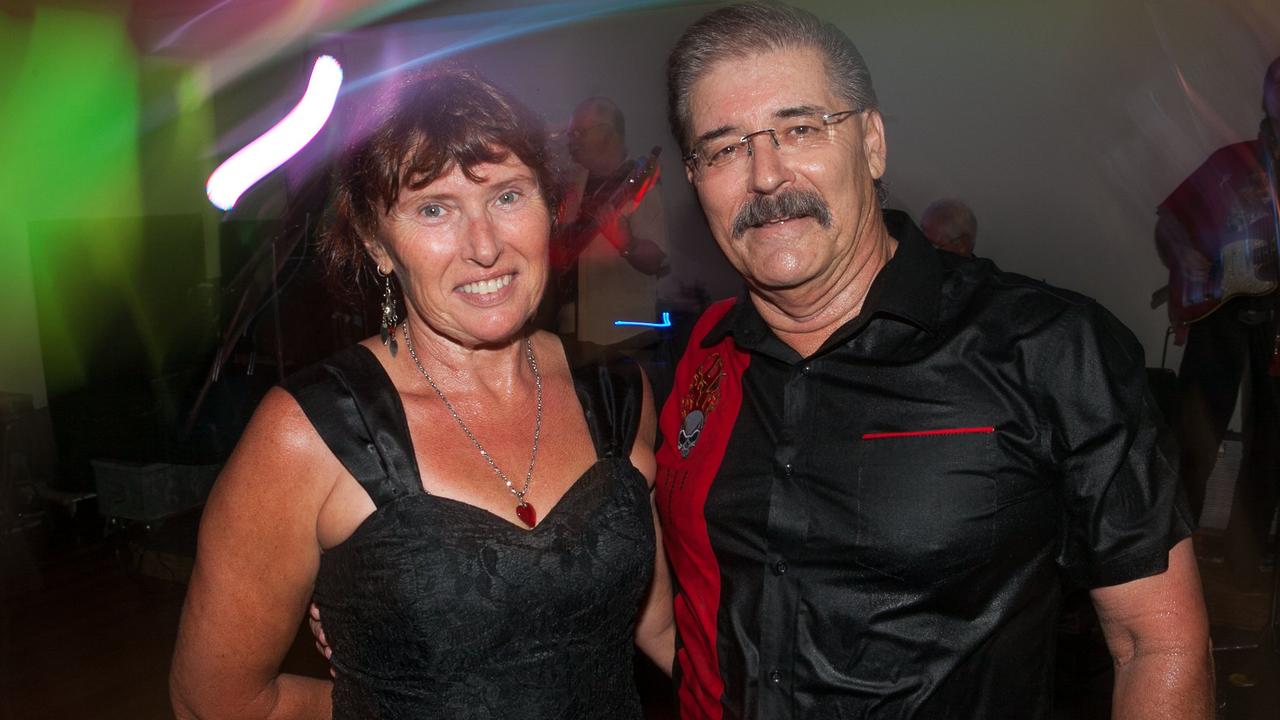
(419, 129)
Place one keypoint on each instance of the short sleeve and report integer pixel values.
(1115, 455)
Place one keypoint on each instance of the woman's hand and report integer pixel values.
(317, 630)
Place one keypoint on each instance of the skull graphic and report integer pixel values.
(689, 432)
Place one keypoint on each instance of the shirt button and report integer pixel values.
(806, 368)
(775, 676)
(786, 471)
(780, 567)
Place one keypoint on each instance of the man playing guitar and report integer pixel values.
(1217, 234)
(610, 245)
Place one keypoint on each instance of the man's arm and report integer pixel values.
(1158, 635)
(655, 633)
(1176, 251)
(644, 254)
(1127, 529)
(639, 233)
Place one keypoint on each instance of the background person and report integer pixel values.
(950, 225)
(1218, 231)
(611, 269)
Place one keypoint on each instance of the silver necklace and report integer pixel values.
(524, 510)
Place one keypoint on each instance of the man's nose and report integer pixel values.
(766, 165)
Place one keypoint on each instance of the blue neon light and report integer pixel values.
(666, 322)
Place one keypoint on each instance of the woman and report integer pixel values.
(465, 498)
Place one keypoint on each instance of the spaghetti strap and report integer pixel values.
(356, 410)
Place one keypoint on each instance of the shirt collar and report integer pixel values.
(907, 289)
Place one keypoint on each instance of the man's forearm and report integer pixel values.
(645, 256)
(1173, 683)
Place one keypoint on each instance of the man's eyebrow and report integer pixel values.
(798, 111)
(782, 114)
(712, 134)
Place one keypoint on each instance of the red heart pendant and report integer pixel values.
(527, 514)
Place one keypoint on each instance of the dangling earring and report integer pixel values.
(389, 316)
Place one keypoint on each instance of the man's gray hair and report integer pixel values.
(740, 31)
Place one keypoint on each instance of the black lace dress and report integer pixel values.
(439, 609)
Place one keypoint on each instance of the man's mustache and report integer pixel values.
(761, 209)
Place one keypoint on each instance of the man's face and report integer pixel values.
(947, 233)
(592, 137)
(958, 244)
(1271, 92)
(739, 96)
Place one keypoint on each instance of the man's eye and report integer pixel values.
(508, 197)
(723, 155)
(432, 211)
(801, 132)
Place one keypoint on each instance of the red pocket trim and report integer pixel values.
(925, 433)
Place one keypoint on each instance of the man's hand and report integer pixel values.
(643, 254)
(1177, 252)
(322, 645)
(615, 226)
(1193, 266)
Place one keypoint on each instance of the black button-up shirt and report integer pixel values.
(883, 529)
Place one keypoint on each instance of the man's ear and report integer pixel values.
(874, 146)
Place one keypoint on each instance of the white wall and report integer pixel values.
(1063, 124)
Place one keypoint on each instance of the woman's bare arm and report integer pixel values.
(254, 574)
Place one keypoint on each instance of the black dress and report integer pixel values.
(438, 609)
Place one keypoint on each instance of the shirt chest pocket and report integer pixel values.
(926, 505)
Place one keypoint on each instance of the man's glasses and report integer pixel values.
(802, 132)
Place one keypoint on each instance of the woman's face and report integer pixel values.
(471, 257)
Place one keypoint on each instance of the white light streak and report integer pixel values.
(274, 147)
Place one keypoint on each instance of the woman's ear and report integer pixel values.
(378, 253)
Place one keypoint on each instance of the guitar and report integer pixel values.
(569, 242)
(1242, 267)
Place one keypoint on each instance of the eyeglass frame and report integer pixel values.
(828, 120)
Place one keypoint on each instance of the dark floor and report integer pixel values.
(88, 626)
(1246, 644)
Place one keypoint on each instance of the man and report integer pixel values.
(950, 225)
(882, 462)
(1226, 210)
(611, 250)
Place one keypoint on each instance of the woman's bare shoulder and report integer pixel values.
(280, 452)
(280, 421)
